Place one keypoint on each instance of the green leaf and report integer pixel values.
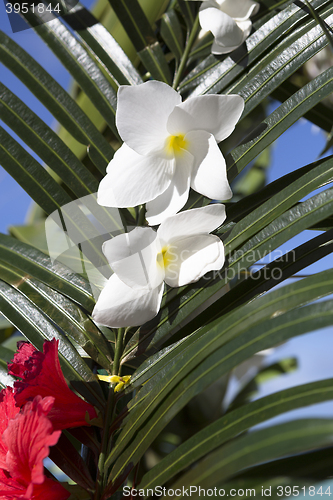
(263, 80)
(182, 305)
(24, 315)
(316, 464)
(175, 389)
(281, 119)
(135, 22)
(213, 76)
(67, 458)
(233, 324)
(320, 114)
(101, 42)
(233, 424)
(30, 174)
(171, 33)
(154, 61)
(261, 446)
(322, 23)
(264, 373)
(38, 265)
(280, 202)
(53, 96)
(269, 276)
(46, 144)
(62, 312)
(188, 11)
(50, 196)
(4, 324)
(77, 60)
(235, 211)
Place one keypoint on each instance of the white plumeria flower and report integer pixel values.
(180, 252)
(169, 146)
(229, 22)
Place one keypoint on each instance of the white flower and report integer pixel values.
(168, 147)
(180, 252)
(229, 22)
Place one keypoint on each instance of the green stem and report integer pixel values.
(102, 455)
(118, 351)
(186, 54)
(109, 416)
(142, 215)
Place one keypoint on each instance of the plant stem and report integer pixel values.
(109, 416)
(186, 54)
(142, 213)
(118, 351)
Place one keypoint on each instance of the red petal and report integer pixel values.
(28, 438)
(8, 410)
(68, 410)
(25, 360)
(12, 489)
(50, 490)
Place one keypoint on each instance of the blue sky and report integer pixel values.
(300, 145)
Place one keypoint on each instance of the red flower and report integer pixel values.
(27, 439)
(41, 375)
(8, 410)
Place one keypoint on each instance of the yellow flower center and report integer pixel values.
(175, 144)
(163, 257)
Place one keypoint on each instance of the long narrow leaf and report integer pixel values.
(78, 62)
(101, 42)
(260, 337)
(62, 312)
(258, 447)
(282, 118)
(234, 423)
(38, 265)
(214, 76)
(54, 97)
(22, 313)
(188, 300)
(46, 144)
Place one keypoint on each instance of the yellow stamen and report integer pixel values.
(121, 382)
(119, 387)
(163, 257)
(175, 144)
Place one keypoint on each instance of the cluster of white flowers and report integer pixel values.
(169, 147)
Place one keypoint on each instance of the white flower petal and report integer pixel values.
(119, 305)
(217, 114)
(246, 27)
(191, 222)
(224, 28)
(192, 257)
(209, 173)
(133, 179)
(133, 257)
(219, 50)
(240, 10)
(175, 197)
(142, 114)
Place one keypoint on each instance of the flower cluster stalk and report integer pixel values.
(110, 411)
(190, 42)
